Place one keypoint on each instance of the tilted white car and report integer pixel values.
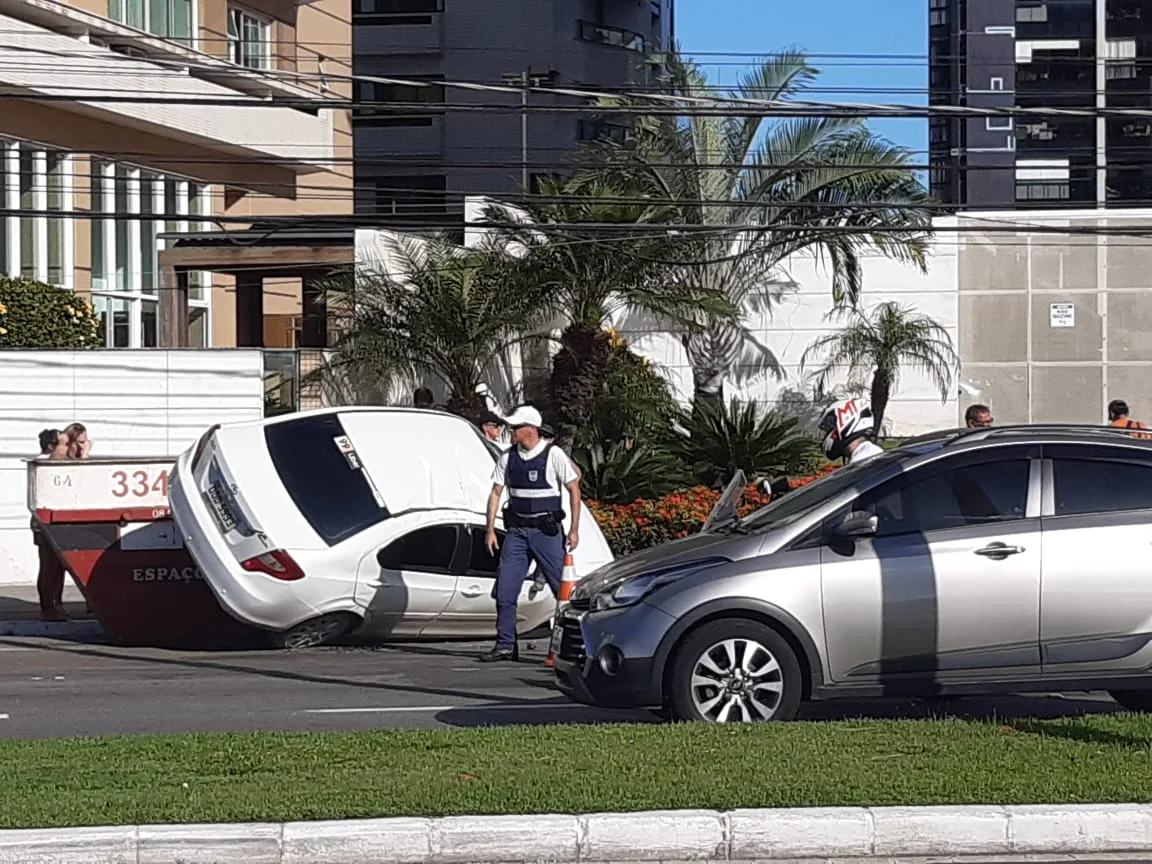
(312, 525)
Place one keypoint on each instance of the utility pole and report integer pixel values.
(527, 78)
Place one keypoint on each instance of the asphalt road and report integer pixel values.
(54, 688)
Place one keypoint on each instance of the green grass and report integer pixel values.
(278, 777)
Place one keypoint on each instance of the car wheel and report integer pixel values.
(735, 671)
(1133, 700)
(315, 631)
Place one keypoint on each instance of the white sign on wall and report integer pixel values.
(1062, 315)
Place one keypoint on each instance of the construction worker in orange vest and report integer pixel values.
(1118, 417)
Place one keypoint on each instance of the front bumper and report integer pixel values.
(607, 659)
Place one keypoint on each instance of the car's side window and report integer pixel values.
(480, 561)
(429, 549)
(1098, 486)
(979, 494)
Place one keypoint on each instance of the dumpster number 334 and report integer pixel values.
(139, 484)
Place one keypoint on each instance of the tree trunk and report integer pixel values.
(881, 392)
(578, 372)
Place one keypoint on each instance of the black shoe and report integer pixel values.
(538, 585)
(501, 655)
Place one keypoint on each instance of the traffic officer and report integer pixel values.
(536, 474)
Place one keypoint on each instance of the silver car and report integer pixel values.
(984, 561)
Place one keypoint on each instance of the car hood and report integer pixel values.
(695, 547)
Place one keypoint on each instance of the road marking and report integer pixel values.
(414, 709)
(3, 716)
(15, 648)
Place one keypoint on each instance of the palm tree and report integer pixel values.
(428, 308)
(755, 190)
(594, 248)
(885, 342)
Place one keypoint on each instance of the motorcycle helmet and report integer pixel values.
(843, 422)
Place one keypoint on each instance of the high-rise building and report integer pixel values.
(125, 123)
(415, 166)
(1081, 54)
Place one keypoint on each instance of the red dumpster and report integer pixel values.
(108, 521)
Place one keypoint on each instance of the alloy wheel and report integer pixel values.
(737, 680)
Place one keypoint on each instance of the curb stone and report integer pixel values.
(1058, 832)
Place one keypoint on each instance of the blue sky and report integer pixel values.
(758, 27)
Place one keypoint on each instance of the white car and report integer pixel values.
(315, 524)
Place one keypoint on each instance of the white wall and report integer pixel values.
(134, 403)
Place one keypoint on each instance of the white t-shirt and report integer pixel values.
(866, 450)
(560, 471)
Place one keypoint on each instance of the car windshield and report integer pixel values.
(795, 504)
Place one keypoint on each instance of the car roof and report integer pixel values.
(1053, 433)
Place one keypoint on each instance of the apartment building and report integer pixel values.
(416, 166)
(124, 123)
(1082, 54)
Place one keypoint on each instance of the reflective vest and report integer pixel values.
(527, 483)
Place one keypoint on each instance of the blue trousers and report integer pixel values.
(521, 547)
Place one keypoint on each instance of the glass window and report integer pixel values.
(120, 226)
(168, 19)
(249, 40)
(148, 324)
(121, 323)
(1095, 486)
(57, 166)
(4, 220)
(480, 560)
(197, 327)
(333, 495)
(27, 223)
(149, 228)
(935, 500)
(428, 549)
(100, 308)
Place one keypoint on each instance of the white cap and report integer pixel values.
(525, 415)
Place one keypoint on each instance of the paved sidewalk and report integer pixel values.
(20, 603)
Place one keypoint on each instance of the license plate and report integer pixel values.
(557, 639)
(220, 509)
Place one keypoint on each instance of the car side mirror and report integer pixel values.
(858, 524)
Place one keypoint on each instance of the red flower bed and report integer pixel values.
(645, 523)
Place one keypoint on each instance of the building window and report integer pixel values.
(1043, 190)
(137, 207)
(614, 36)
(410, 196)
(395, 12)
(998, 124)
(249, 39)
(35, 243)
(168, 19)
(371, 102)
(1032, 14)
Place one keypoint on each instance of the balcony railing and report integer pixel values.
(614, 36)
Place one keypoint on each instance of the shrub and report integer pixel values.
(649, 522)
(36, 315)
(622, 473)
(718, 440)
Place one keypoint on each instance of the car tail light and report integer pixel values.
(277, 563)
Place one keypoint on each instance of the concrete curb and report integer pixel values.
(987, 832)
(80, 628)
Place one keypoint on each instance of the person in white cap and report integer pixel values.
(536, 474)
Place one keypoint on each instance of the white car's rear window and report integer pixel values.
(323, 476)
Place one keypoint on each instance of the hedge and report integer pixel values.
(37, 315)
(645, 523)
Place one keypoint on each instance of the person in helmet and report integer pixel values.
(847, 427)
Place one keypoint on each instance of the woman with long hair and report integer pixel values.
(50, 580)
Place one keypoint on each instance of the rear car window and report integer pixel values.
(327, 485)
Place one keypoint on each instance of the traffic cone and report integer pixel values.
(568, 580)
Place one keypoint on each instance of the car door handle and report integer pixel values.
(472, 591)
(999, 550)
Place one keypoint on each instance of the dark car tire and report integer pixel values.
(315, 631)
(1139, 701)
(707, 639)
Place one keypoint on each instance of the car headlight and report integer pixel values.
(635, 589)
